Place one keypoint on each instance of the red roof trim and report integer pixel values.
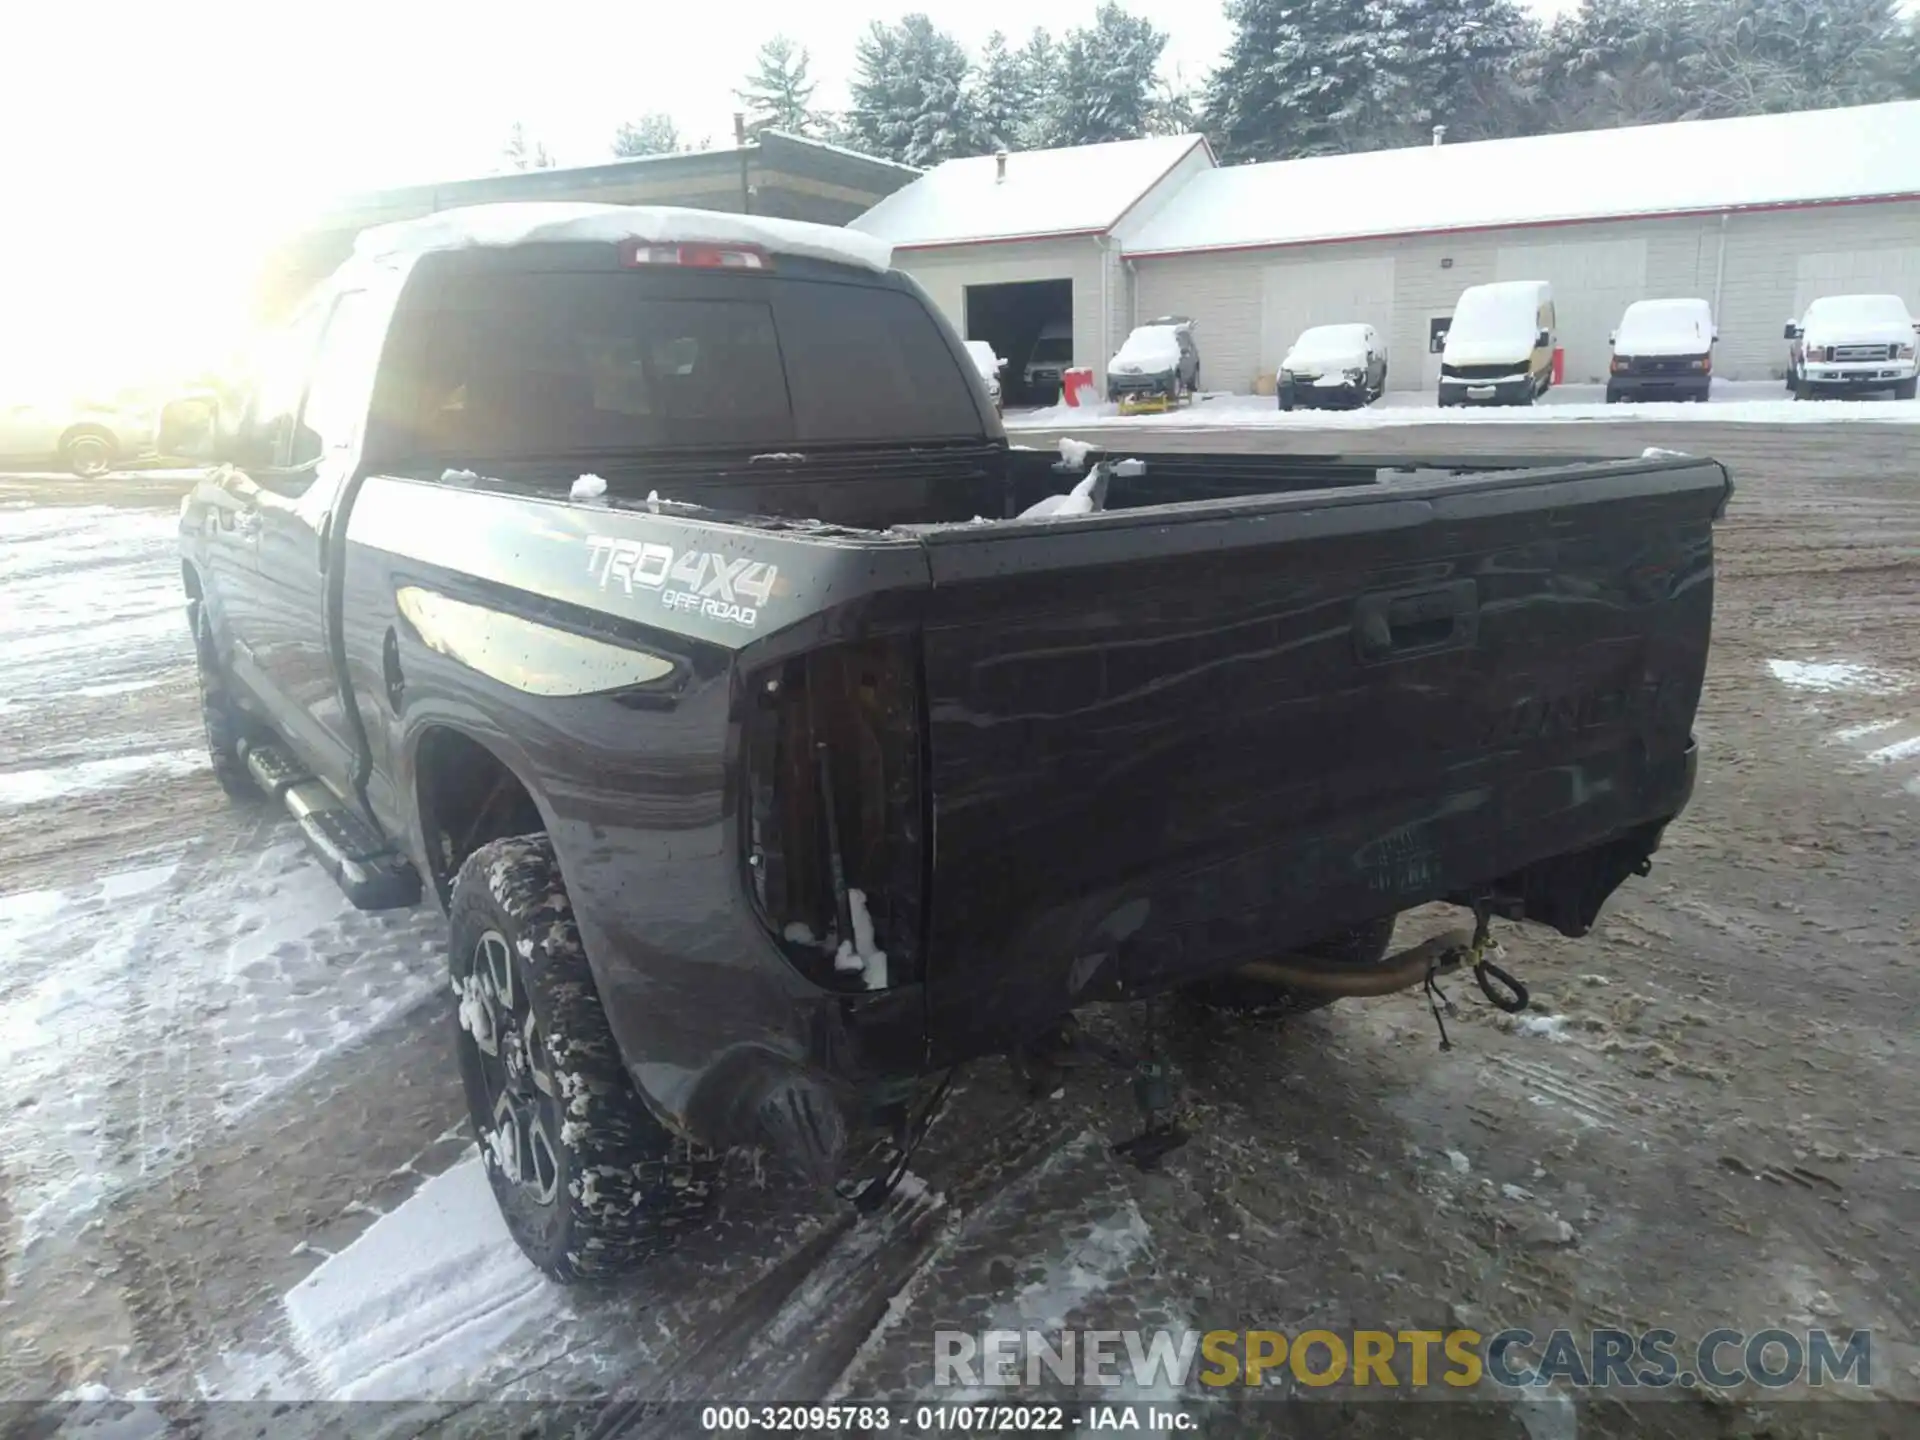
(1178, 161)
(999, 240)
(1530, 225)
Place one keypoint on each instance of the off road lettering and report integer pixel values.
(697, 582)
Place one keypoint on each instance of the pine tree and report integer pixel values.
(1301, 77)
(1040, 68)
(1106, 85)
(1309, 77)
(1002, 95)
(779, 93)
(1175, 109)
(1758, 56)
(523, 153)
(1619, 62)
(911, 97)
(654, 134)
(1453, 63)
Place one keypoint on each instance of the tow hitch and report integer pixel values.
(1500, 988)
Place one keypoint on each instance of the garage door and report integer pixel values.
(1886, 271)
(1593, 283)
(1327, 292)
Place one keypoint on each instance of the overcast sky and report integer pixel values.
(148, 146)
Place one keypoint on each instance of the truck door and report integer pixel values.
(294, 503)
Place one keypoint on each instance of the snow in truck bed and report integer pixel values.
(1696, 165)
(530, 222)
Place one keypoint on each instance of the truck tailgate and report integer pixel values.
(1167, 741)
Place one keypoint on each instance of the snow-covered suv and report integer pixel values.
(1850, 343)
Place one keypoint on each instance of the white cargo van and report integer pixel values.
(1499, 345)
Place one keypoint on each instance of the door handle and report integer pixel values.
(1421, 620)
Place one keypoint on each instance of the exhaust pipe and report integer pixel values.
(1403, 971)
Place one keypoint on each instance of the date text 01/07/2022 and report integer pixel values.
(938, 1419)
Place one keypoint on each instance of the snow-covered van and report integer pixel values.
(1047, 363)
(1850, 343)
(1499, 345)
(1663, 350)
(1333, 365)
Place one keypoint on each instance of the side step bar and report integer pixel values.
(358, 857)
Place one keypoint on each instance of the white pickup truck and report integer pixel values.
(1846, 344)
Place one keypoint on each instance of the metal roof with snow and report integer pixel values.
(1085, 190)
(1816, 157)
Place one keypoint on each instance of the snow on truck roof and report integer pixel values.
(1842, 309)
(1085, 190)
(534, 222)
(1759, 161)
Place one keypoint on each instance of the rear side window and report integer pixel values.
(515, 364)
(867, 364)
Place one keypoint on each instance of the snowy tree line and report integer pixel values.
(1310, 77)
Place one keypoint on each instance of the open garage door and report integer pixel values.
(1325, 292)
(1593, 283)
(1889, 270)
(1024, 320)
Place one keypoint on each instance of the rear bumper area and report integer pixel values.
(1124, 387)
(1659, 387)
(1323, 397)
(1509, 390)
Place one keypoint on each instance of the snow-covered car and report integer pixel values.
(1663, 350)
(1047, 362)
(1849, 343)
(86, 440)
(989, 365)
(1158, 360)
(1333, 365)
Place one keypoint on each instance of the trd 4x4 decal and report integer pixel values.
(703, 582)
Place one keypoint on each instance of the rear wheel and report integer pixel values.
(590, 1184)
(1359, 949)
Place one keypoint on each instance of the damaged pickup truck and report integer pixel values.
(657, 591)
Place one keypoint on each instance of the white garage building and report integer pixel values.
(1757, 215)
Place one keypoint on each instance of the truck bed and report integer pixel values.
(1258, 700)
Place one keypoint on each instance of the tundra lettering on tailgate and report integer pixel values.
(702, 582)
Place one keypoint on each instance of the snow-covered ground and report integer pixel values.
(234, 1162)
(1750, 402)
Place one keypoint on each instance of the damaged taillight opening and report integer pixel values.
(834, 824)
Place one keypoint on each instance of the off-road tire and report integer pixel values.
(627, 1188)
(226, 727)
(1361, 949)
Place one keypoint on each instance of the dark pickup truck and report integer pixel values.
(653, 590)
